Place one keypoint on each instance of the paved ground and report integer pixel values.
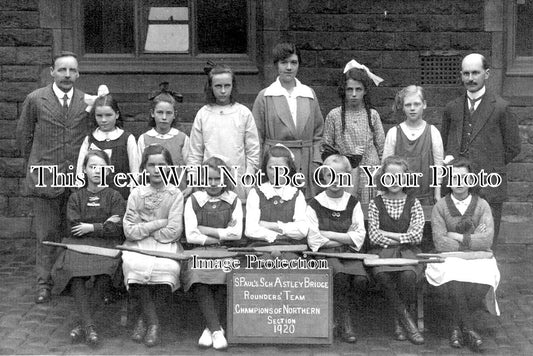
(27, 328)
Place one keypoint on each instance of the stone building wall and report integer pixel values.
(25, 50)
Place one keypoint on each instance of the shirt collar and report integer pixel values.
(112, 135)
(327, 201)
(286, 192)
(60, 93)
(276, 89)
(477, 94)
(153, 133)
(464, 203)
(202, 197)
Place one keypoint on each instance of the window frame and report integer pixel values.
(139, 62)
(516, 65)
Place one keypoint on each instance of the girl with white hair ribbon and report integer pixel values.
(354, 129)
(109, 135)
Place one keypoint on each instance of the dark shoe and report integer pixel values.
(347, 333)
(91, 337)
(152, 336)
(399, 333)
(413, 334)
(43, 296)
(456, 339)
(139, 331)
(77, 334)
(472, 340)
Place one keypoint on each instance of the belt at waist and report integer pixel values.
(290, 143)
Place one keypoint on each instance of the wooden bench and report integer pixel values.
(421, 289)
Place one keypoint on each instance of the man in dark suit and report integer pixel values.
(52, 125)
(480, 127)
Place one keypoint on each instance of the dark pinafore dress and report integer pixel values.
(119, 158)
(273, 210)
(92, 208)
(419, 157)
(400, 226)
(175, 146)
(217, 215)
(338, 221)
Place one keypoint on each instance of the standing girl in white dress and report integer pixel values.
(225, 127)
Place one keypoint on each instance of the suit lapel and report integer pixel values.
(482, 114)
(284, 113)
(52, 104)
(302, 115)
(77, 103)
(459, 114)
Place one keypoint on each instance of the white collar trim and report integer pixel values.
(286, 192)
(276, 89)
(153, 133)
(202, 197)
(112, 135)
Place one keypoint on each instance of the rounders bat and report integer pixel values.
(87, 249)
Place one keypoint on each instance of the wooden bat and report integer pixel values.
(182, 256)
(372, 262)
(270, 248)
(465, 255)
(342, 255)
(87, 249)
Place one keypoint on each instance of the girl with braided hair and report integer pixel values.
(354, 129)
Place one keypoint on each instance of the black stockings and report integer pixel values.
(88, 302)
(211, 299)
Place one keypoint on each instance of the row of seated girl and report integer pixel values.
(332, 221)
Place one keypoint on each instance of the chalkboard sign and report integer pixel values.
(281, 307)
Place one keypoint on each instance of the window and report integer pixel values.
(519, 37)
(125, 35)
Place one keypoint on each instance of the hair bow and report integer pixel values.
(354, 64)
(209, 65)
(164, 88)
(90, 99)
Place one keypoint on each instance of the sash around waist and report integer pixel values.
(290, 143)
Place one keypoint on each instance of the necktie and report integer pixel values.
(472, 104)
(65, 103)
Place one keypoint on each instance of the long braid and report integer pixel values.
(368, 107)
(343, 114)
